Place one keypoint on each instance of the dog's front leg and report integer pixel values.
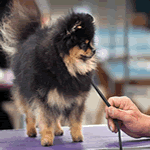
(75, 120)
(47, 128)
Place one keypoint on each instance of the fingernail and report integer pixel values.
(111, 128)
(111, 111)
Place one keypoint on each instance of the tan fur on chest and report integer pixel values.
(76, 65)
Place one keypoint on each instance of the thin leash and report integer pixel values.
(115, 120)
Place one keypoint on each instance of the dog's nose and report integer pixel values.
(93, 51)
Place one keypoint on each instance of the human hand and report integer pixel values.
(131, 120)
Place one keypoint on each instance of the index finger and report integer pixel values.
(115, 101)
(121, 102)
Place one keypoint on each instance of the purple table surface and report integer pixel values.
(95, 137)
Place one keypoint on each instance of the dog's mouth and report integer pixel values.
(87, 57)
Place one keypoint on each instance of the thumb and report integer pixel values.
(116, 113)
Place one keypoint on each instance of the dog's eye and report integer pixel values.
(84, 46)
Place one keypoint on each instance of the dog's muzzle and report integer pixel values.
(86, 57)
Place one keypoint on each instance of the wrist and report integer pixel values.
(146, 126)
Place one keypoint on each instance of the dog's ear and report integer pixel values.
(89, 17)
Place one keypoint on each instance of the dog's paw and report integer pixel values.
(77, 138)
(59, 132)
(32, 133)
(46, 141)
(47, 137)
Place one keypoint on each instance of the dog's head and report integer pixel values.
(76, 38)
(75, 43)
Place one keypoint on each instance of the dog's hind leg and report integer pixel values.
(58, 129)
(24, 108)
(31, 124)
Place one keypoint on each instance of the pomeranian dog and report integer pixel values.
(52, 66)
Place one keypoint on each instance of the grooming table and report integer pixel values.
(95, 137)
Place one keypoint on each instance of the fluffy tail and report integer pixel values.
(18, 26)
